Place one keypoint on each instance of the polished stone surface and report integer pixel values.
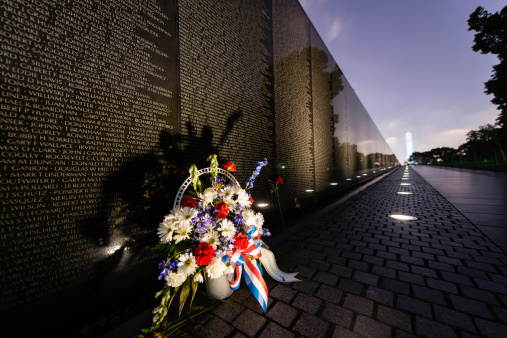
(480, 195)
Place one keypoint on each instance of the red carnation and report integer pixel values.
(222, 209)
(279, 180)
(188, 202)
(250, 200)
(204, 253)
(241, 241)
(229, 166)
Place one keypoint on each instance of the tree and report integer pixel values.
(491, 37)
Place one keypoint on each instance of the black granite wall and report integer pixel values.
(95, 94)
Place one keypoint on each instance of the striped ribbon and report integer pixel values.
(253, 273)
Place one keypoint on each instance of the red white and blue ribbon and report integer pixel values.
(253, 273)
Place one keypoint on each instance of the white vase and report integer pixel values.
(218, 287)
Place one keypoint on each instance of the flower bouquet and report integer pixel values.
(212, 234)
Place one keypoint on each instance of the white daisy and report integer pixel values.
(182, 232)
(212, 238)
(243, 198)
(185, 214)
(230, 268)
(227, 229)
(198, 278)
(165, 232)
(228, 192)
(249, 217)
(175, 279)
(216, 267)
(207, 196)
(187, 264)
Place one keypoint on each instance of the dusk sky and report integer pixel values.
(411, 64)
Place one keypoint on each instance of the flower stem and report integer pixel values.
(279, 207)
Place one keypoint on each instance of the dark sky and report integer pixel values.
(411, 64)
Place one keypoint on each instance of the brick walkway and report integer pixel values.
(368, 275)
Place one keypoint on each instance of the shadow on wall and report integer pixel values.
(137, 196)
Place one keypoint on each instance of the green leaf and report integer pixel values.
(185, 290)
(195, 285)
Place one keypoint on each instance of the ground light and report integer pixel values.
(403, 217)
(349, 179)
(262, 205)
(405, 184)
(334, 183)
(405, 193)
(309, 190)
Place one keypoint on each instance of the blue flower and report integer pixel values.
(250, 180)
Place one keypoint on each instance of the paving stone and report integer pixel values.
(275, 330)
(249, 322)
(491, 329)
(396, 286)
(341, 271)
(394, 318)
(365, 278)
(411, 278)
(373, 259)
(430, 328)
(283, 293)
(216, 327)
(501, 313)
(430, 295)
(341, 332)
(351, 286)
(311, 326)
(358, 265)
(306, 285)
(380, 295)
(227, 312)
(386, 255)
(241, 294)
(326, 278)
(337, 315)
(412, 260)
(283, 314)
(414, 306)
(454, 318)
(477, 294)
(423, 271)
(470, 306)
(330, 294)
(383, 271)
(306, 271)
(367, 327)
(307, 303)
(358, 304)
(481, 266)
(253, 304)
(491, 286)
(404, 334)
(456, 278)
(319, 265)
(442, 285)
(463, 270)
(397, 265)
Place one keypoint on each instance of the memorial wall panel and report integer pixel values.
(95, 94)
(295, 155)
(86, 87)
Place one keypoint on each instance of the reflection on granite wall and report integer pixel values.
(95, 94)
